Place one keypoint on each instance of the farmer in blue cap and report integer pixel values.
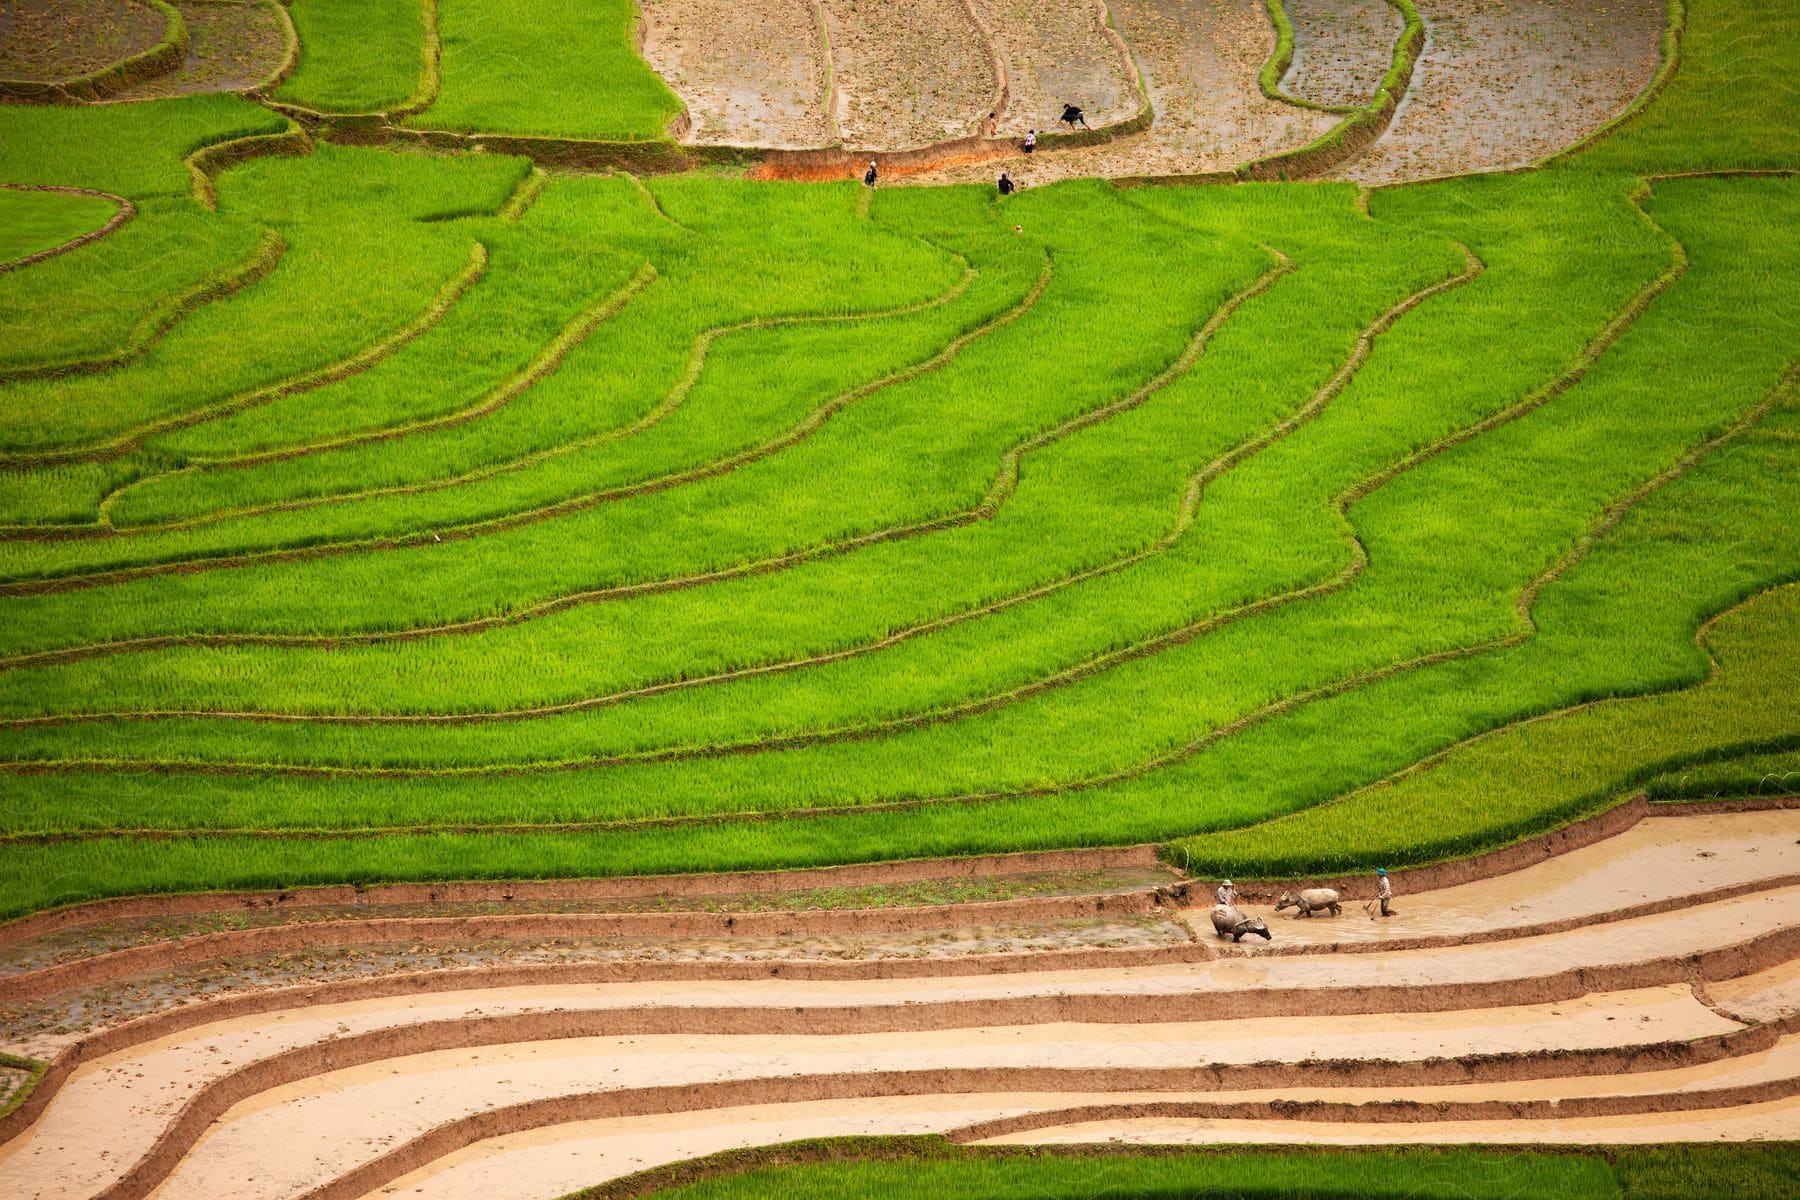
(1384, 891)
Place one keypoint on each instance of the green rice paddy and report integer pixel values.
(382, 513)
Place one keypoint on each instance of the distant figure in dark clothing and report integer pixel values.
(1006, 184)
(1031, 141)
(869, 175)
(1071, 114)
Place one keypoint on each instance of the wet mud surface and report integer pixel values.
(908, 75)
(38, 1027)
(1341, 49)
(1058, 54)
(231, 47)
(50, 40)
(750, 74)
(1200, 60)
(1502, 83)
(101, 937)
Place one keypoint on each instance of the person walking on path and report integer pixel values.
(1006, 184)
(1071, 114)
(1030, 141)
(1227, 895)
(1384, 891)
(869, 175)
(993, 124)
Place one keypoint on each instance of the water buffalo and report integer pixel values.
(1310, 901)
(1231, 923)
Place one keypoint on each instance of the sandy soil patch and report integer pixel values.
(1058, 54)
(1200, 59)
(1504, 82)
(1657, 860)
(1341, 48)
(230, 47)
(61, 39)
(750, 74)
(908, 74)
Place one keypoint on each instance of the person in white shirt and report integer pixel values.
(1384, 891)
(1227, 895)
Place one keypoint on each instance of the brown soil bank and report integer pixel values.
(1341, 49)
(1502, 85)
(750, 74)
(48, 40)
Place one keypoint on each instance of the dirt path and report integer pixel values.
(908, 74)
(750, 74)
(1200, 60)
(1504, 84)
(50, 40)
(1341, 49)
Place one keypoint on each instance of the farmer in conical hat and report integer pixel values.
(869, 175)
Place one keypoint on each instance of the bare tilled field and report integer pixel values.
(232, 45)
(1504, 84)
(1200, 60)
(51, 39)
(1061, 54)
(1639, 987)
(750, 74)
(908, 75)
(1341, 49)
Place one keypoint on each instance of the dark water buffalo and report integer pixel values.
(1231, 923)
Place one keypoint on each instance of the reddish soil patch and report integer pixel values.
(1341, 49)
(231, 47)
(1057, 54)
(1504, 84)
(1200, 59)
(750, 74)
(61, 39)
(908, 75)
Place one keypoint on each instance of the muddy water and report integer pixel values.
(1777, 1120)
(1058, 54)
(1504, 84)
(750, 74)
(52, 39)
(299, 1135)
(1341, 48)
(1200, 60)
(908, 74)
(565, 1158)
(560, 1159)
(1656, 860)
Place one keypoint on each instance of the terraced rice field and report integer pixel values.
(493, 534)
